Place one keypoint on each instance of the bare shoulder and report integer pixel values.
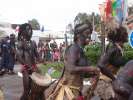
(74, 48)
(72, 53)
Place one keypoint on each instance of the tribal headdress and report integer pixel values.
(25, 31)
(81, 28)
(116, 32)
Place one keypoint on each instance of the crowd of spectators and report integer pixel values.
(51, 51)
(48, 52)
(7, 54)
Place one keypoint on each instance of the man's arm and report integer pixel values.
(104, 62)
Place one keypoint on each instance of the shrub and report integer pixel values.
(128, 52)
(93, 52)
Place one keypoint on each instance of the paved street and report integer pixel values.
(11, 85)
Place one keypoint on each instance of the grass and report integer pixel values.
(57, 66)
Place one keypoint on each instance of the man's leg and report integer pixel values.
(26, 85)
(11, 64)
(6, 61)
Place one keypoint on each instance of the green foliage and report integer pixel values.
(128, 52)
(35, 24)
(93, 52)
(58, 66)
(127, 47)
(80, 18)
(83, 17)
(56, 74)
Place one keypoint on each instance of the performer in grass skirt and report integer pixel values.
(76, 65)
(111, 61)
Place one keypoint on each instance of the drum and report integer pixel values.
(38, 84)
(41, 80)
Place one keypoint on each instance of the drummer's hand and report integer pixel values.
(96, 70)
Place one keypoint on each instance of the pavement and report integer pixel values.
(12, 85)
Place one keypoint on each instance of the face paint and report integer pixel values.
(87, 32)
(83, 39)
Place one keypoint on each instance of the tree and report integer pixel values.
(84, 17)
(80, 18)
(35, 24)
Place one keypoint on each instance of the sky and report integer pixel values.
(53, 14)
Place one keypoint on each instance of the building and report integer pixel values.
(58, 36)
(6, 28)
(47, 35)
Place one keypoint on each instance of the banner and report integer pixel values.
(116, 9)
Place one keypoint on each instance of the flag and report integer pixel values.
(114, 5)
(108, 8)
(119, 11)
(114, 8)
(125, 9)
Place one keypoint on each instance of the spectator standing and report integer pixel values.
(56, 54)
(41, 50)
(12, 52)
(4, 56)
(47, 52)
